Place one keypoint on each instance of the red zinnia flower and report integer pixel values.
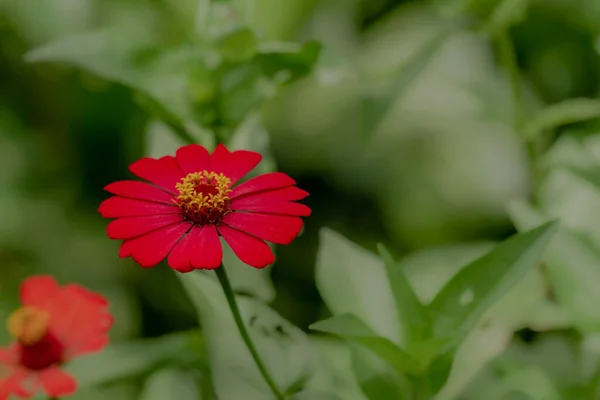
(54, 325)
(192, 199)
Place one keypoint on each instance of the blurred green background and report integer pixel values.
(434, 169)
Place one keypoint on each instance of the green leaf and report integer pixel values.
(377, 379)
(246, 280)
(171, 383)
(505, 15)
(463, 300)
(290, 58)
(415, 319)
(353, 280)
(127, 360)
(252, 135)
(161, 77)
(286, 350)
(377, 106)
(349, 327)
(238, 45)
(566, 112)
(334, 372)
(572, 263)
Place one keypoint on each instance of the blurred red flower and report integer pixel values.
(54, 325)
(192, 199)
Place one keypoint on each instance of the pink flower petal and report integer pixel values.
(281, 229)
(286, 208)
(272, 180)
(247, 248)
(37, 290)
(290, 193)
(56, 382)
(163, 172)
(233, 165)
(139, 190)
(118, 207)
(199, 249)
(192, 158)
(148, 250)
(127, 228)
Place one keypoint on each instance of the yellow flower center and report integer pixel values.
(28, 324)
(203, 197)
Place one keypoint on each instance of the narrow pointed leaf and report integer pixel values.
(463, 300)
(573, 265)
(349, 327)
(413, 316)
(565, 112)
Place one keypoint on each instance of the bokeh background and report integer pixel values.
(434, 172)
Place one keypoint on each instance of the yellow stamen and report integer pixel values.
(203, 197)
(28, 324)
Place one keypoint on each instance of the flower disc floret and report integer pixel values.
(28, 325)
(203, 197)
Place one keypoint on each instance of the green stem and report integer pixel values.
(224, 280)
(508, 60)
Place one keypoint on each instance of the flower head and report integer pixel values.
(191, 200)
(54, 325)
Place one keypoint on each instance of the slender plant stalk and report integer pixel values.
(224, 280)
(508, 60)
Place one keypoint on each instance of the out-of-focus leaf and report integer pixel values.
(349, 327)
(463, 300)
(453, 371)
(353, 280)
(525, 305)
(248, 280)
(505, 15)
(334, 372)
(565, 112)
(286, 351)
(376, 106)
(238, 45)
(314, 395)
(377, 379)
(123, 360)
(290, 58)
(573, 267)
(243, 90)
(162, 77)
(171, 384)
(252, 135)
(415, 319)
(590, 175)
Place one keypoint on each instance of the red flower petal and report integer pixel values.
(127, 228)
(118, 207)
(248, 248)
(233, 165)
(281, 229)
(56, 382)
(150, 249)
(163, 172)
(199, 249)
(139, 190)
(79, 319)
(192, 158)
(272, 180)
(287, 208)
(38, 290)
(290, 193)
(13, 384)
